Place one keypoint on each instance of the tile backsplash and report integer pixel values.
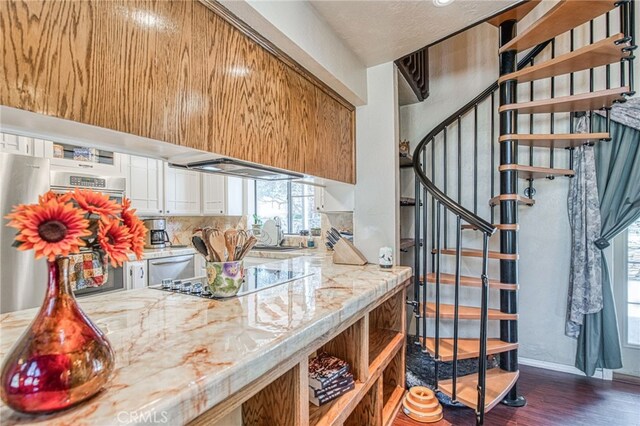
(180, 228)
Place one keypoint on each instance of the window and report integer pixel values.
(632, 331)
(292, 202)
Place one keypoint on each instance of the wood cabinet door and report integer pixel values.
(213, 194)
(330, 150)
(181, 192)
(145, 185)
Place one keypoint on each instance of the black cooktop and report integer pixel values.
(255, 278)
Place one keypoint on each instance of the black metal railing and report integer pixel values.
(415, 69)
(443, 201)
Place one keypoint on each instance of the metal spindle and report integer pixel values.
(630, 11)
(607, 33)
(425, 286)
(493, 154)
(591, 73)
(475, 159)
(416, 255)
(624, 30)
(531, 120)
(433, 203)
(437, 331)
(446, 215)
(459, 160)
(484, 318)
(456, 307)
(552, 121)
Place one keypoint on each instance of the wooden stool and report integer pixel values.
(421, 405)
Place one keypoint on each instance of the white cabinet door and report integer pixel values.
(200, 265)
(181, 192)
(335, 197)
(236, 196)
(144, 185)
(14, 144)
(136, 274)
(213, 194)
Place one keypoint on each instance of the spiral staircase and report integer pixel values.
(448, 194)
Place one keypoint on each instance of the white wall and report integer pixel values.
(376, 204)
(460, 69)
(297, 29)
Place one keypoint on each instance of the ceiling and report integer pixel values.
(382, 31)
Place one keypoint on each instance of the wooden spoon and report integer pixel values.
(206, 232)
(217, 242)
(231, 242)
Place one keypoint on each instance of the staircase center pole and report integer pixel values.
(509, 209)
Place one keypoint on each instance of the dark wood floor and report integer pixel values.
(555, 399)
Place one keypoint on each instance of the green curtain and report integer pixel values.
(618, 175)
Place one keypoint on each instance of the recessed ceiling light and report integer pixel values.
(441, 3)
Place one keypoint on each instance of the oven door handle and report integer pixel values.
(169, 262)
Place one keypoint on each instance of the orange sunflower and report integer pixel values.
(49, 195)
(115, 240)
(96, 202)
(137, 230)
(51, 228)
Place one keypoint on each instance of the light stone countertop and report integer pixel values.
(166, 252)
(178, 355)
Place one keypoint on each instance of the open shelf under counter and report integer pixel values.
(336, 411)
(383, 344)
(373, 344)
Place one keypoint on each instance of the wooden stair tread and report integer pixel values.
(498, 226)
(560, 140)
(594, 55)
(407, 201)
(466, 312)
(468, 281)
(514, 14)
(495, 201)
(582, 102)
(407, 243)
(564, 16)
(533, 172)
(406, 160)
(497, 383)
(467, 348)
(466, 252)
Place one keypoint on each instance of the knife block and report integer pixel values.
(345, 253)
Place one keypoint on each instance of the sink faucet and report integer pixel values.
(279, 232)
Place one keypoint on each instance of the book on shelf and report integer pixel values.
(337, 384)
(331, 395)
(325, 368)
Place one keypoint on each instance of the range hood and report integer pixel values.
(232, 167)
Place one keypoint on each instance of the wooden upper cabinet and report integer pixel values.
(334, 138)
(173, 71)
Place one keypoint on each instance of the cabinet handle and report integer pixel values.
(141, 272)
(167, 211)
(86, 166)
(159, 211)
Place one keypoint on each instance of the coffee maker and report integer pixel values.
(157, 237)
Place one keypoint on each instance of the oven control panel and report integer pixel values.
(87, 182)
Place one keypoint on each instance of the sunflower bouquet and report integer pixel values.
(60, 225)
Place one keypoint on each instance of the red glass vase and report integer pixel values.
(61, 359)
